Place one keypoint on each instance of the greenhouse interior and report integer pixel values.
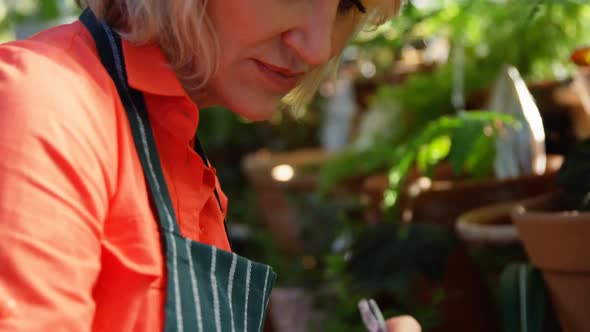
(439, 172)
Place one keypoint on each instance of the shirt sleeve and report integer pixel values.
(55, 182)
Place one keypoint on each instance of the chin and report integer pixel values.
(255, 114)
(254, 109)
(242, 97)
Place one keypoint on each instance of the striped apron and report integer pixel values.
(207, 289)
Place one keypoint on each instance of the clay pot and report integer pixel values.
(490, 224)
(558, 243)
(444, 199)
(272, 175)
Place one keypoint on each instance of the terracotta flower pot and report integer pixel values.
(272, 175)
(445, 198)
(489, 224)
(558, 242)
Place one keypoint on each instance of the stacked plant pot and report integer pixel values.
(558, 242)
(555, 228)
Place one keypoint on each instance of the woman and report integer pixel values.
(112, 218)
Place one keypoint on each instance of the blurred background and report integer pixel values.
(406, 178)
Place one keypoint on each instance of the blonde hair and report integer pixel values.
(380, 12)
(190, 44)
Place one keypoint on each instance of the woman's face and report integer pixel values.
(267, 46)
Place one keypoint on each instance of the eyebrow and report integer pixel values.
(359, 5)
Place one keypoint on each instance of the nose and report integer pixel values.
(311, 37)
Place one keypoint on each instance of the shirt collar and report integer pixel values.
(149, 71)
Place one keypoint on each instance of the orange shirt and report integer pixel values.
(79, 246)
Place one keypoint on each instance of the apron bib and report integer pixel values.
(207, 289)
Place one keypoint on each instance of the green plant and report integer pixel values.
(535, 36)
(523, 297)
(381, 252)
(540, 33)
(387, 260)
(573, 176)
(466, 140)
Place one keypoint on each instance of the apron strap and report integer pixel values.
(141, 129)
(110, 51)
(200, 278)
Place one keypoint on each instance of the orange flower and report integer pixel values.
(581, 56)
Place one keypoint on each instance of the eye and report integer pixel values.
(346, 6)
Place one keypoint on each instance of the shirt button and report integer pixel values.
(7, 308)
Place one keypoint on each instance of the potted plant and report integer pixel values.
(427, 97)
(466, 144)
(538, 31)
(555, 230)
(462, 144)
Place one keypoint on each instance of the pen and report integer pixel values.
(372, 316)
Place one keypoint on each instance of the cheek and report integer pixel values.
(242, 24)
(343, 32)
(339, 42)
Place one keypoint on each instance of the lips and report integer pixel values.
(279, 79)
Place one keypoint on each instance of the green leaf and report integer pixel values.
(523, 297)
(381, 259)
(464, 139)
(467, 124)
(432, 153)
(480, 162)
